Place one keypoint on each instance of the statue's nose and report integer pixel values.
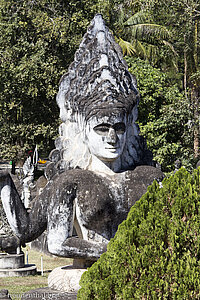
(112, 137)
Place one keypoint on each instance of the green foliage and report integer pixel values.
(37, 43)
(164, 115)
(152, 84)
(171, 36)
(155, 253)
(140, 31)
(17, 140)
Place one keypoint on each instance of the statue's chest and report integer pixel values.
(96, 193)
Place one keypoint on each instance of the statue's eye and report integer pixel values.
(102, 129)
(119, 128)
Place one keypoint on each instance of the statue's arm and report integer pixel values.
(25, 225)
(12, 204)
(59, 232)
(73, 247)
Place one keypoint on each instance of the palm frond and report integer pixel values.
(138, 18)
(127, 48)
(152, 52)
(150, 31)
(175, 64)
(170, 46)
(173, 54)
(140, 49)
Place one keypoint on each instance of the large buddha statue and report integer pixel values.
(100, 166)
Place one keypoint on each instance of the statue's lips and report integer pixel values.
(112, 149)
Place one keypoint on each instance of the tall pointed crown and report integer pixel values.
(98, 82)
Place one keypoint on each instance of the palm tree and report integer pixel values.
(144, 38)
(180, 40)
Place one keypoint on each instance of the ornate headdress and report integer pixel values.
(98, 84)
(98, 81)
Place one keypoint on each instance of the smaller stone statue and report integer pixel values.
(177, 165)
(28, 177)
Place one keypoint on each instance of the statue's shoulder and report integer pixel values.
(90, 189)
(137, 181)
(79, 177)
(145, 174)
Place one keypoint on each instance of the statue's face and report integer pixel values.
(106, 137)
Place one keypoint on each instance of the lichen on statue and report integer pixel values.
(100, 166)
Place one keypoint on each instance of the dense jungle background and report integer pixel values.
(160, 41)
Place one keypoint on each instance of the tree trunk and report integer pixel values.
(185, 68)
(195, 94)
(195, 102)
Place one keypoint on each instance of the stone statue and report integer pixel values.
(28, 177)
(100, 166)
(177, 165)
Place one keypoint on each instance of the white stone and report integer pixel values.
(65, 279)
(6, 201)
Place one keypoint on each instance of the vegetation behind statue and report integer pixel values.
(38, 42)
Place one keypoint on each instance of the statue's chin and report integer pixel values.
(107, 159)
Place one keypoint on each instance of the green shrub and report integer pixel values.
(155, 253)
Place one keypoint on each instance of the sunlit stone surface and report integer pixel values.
(100, 166)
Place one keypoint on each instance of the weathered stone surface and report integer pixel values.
(50, 170)
(5, 228)
(4, 294)
(99, 204)
(9, 261)
(98, 88)
(102, 84)
(12, 265)
(8, 240)
(9, 243)
(65, 279)
(27, 270)
(54, 156)
(101, 165)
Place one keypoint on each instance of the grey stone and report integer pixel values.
(12, 265)
(54, 156)
(11, 261)
(4, 294)
(27, 270)
(101, 208)
(50, 170)
(101, 166)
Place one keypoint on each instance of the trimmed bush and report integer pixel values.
(155, 253)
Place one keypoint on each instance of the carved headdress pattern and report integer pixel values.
(97, 84)
(98, 81)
